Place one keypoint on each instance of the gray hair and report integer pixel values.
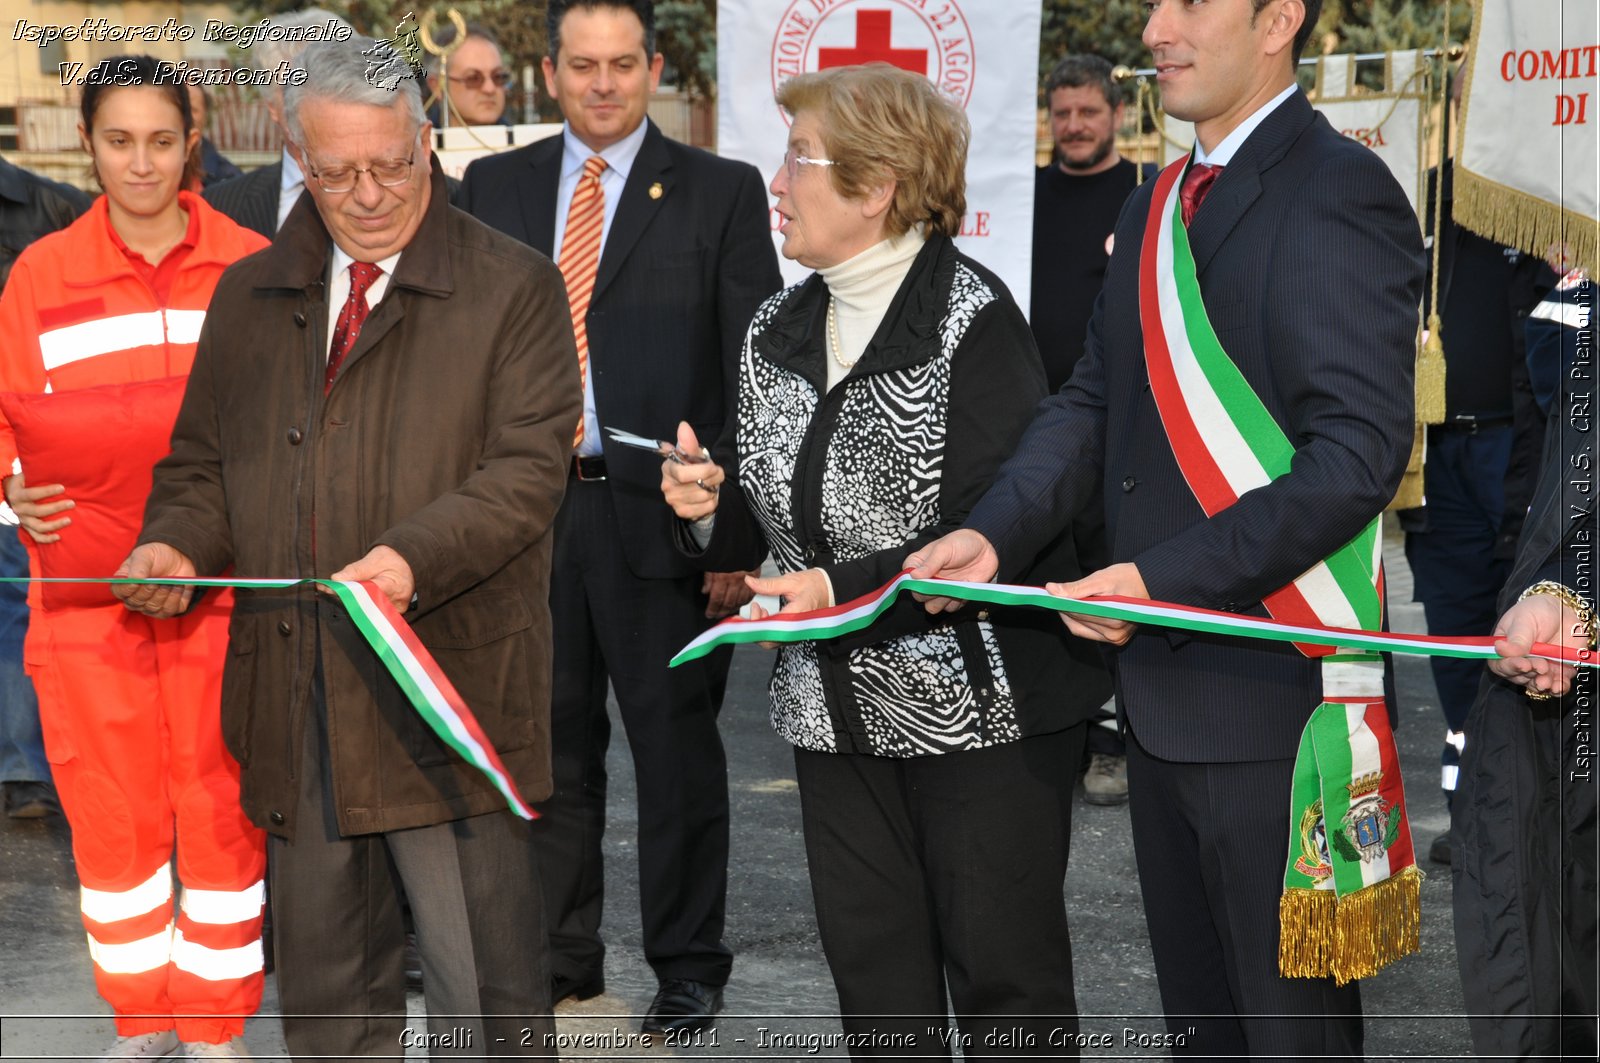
(268, 53)
(340, 70)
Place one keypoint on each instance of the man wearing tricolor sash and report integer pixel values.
(1245, 399)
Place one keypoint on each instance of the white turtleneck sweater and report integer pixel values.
(862, 288)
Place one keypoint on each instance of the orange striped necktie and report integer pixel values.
(580, 260)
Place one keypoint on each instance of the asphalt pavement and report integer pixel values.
(781, 993)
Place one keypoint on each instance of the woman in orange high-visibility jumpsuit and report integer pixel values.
(129, 705)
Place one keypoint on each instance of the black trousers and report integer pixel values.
(340, 937)
(1210, 841)
(612, 625)
(946, 869)
(1455, 573)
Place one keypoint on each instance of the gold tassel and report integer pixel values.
(1378, 925)
(1430, 375)
(1307, 932)
(1354, 937)
(1410, 493)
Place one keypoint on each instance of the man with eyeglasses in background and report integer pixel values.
(475, 83)
(387, 393)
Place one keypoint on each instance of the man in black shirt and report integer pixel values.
(1480, 464)
(1076, 201)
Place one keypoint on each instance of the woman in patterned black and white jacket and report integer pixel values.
(876, 400)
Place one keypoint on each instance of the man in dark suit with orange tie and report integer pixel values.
(667, 252)
(1306, 259)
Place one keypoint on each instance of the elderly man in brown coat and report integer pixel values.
(387, 393)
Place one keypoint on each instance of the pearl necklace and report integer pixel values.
(833, 337)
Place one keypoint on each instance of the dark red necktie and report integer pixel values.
(351, 316)
(1196, 183)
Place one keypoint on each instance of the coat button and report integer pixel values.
(810, 554)
(295, 435)
(1129, 484)
(300, 319)
(276, 817)
(284, 629)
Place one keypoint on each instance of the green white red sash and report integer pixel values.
(1351, 900)
(429, 690)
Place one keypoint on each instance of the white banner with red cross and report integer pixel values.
(984, 55)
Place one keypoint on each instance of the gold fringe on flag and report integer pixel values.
(1410, 494)
(1515, 218)
(1353, 937)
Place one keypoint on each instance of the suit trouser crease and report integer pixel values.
(472, 885)
(1210, 841)
(609, 623)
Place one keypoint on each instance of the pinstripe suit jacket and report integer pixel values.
(688, 259)
(251, 199)
(1310, 261)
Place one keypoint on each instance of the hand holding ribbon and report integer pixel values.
(1535, 619)
(155, 561)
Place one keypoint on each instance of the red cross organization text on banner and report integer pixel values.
(969, 48)
(1526, 171)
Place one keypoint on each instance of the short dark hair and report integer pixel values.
(122, 71)
(447, 36)
(645, 9)
(1313, 12)
(1076, 71)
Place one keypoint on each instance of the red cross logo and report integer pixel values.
(873, 45)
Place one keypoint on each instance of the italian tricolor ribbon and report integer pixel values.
(429, 690)
(860, 613)
(1351, 899)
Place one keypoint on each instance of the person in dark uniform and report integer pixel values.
(1076, 201)
(1480, 464)
(1524, 872)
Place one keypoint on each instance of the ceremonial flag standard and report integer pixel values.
(1526, 171)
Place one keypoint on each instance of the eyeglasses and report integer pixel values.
(475, 80)
(390, 173)
(793, 160)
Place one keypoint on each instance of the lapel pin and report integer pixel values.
(655, 190)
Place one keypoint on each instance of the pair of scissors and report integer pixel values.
(671, 451)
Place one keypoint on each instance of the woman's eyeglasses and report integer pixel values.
(793, 160)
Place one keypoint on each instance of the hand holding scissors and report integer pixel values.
(690, 480)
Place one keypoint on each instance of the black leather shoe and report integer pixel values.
(682, 1005)
(564, 988)
(31, 800)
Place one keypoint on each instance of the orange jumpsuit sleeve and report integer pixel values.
(21, 362)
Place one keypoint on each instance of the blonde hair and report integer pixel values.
(879, 123)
